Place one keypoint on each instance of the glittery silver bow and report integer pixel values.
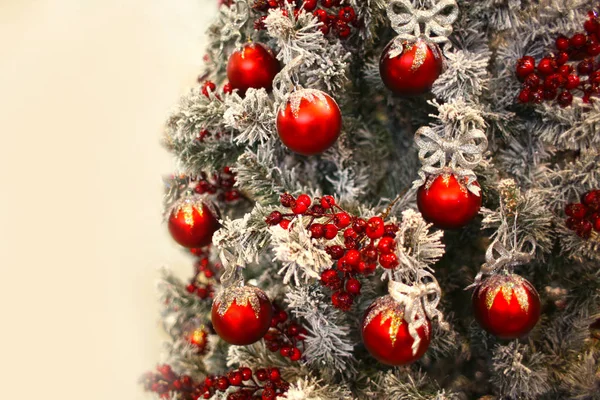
(408, 20)
(420, 302)
(498, 257)
(459, 154)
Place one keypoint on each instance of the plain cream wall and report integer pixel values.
(85, 86)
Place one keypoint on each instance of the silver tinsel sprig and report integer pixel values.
(420, 301)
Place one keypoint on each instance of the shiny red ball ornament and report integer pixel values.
(254, 66)
(310, 122)
(192, 223)
(385, 333)
(241, 315)
(506, 305)
(446, 202)
(414, 70)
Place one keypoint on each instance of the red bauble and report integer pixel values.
(192, 223)
(447, 203)
(310, 122)
(385, 333)
(254, 66)
(414, 70)
(241, 315)
(506, 305)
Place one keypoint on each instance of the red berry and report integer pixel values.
(321, 16)
(317, 209)
(578, 40)
(590, 26)
(274, 218)
(590, 197)
(576, 210)
(352, 257)
(327, 202)
(375, 227)
(222, 383)
(285, 351)
(350, 233)
(310, 5)
(191, 288)
(350, 243)
(359, 225)
(565, 70)
(317, 230)
(209, 382)
(347, 14)
(562, 43)
(208, 86)
(342, 220)
(304, 199)
(336, 251)
(331, 231)
(343, 266)
(286, 200)
(300, 207)
(285, 224)
(341, 300)
(186, 380)
(546, 66)
(562, 58)
(525, 66)
(386, 245)
(261, 374)
(572, 82)
(584, 230)
(369, 252)
(532, 81)
(329, 276)
(585, 67)
(235, 378)
(274, 374)
(549, 94)
(296, 354)
(246, 373)
(343, 30)
(525, 96)
(596, 222)
(593, 49)
(388, 261)
(227, 88)
(268, 394)
(537, 96)
(565, 99)
(282, 316)
(353, 286)
(553, 81)
(327, 3)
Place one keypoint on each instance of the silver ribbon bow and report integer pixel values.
(459, 154)
(407, 20)
(420, 302)
(498, 257)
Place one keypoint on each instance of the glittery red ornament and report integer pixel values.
(385, 333)
(447, 203)
(254, 66)
(310, 122)
(192, 223)
(414, 70)
(506, 305)
(241, 315)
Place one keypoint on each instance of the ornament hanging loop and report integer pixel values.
(412, 23)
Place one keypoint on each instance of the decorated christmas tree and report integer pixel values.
(387, 199)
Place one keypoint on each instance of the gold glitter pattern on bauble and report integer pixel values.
(507, 284)
(188, 214)
(420, 55)
(310, 95)
(389, 310)
(242, 295)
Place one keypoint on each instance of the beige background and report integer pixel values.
(85, 86)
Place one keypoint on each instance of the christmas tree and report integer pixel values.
(391, 199)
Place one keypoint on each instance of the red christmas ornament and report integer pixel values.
(254, 66)
(241, 315)
(506, 305)
(447, 203)
(385, 333)
(196, 334)
(414, 70)
(192, 223)
(310, 122)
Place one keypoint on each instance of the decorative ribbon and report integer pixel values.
(407, 20)
(420, 302)
(283, 83)
(497, 257)
(464, 151)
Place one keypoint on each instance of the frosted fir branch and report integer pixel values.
(208, 155)
(295, 249)
(184, 357)
(567, 335)
(310, 388)
(518, 372)
(525, 157)
(444, 342)
(240, 241)
(575, 247)
(373, 15)
(499, 15)
(570, 128)
(256, 355)
(323, 64)
(261, 178)
(180, 305)
(215, 359)
(252, 116)
(175, 186)
(328, 343)
(581, 380)
(522, 215)
(409, 384)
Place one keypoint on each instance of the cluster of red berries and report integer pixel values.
(219, 184)
(209, 86)
(365, 242)
(559, 72)
(338, 21)
(204, 277)
(584, 216)
(264, 384)
(285, 335)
